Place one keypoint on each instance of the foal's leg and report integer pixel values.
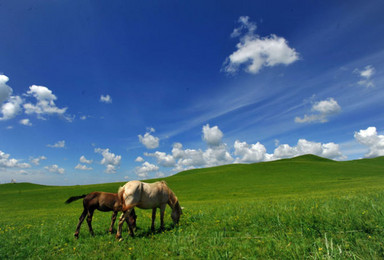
(153, 219)
(113, 221)
(81, 219)
(162, 211)
(89, 221)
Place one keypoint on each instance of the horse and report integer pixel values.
(147, 196)
(102, 201)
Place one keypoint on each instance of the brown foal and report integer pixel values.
(102, 201)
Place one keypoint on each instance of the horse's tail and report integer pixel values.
(71, 199)
(120, 196)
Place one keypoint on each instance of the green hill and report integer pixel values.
(307, 175)
(306, 207)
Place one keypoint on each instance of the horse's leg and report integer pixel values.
(114, 215)
(162, 211)
(153, 219)
(132, 219)
(89, 221)
(123, 217)
(81, 219)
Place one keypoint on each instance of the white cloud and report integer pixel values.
(139, 159)
(250, 153)
(148, 140)
(106, 99)
(36, 161)
(372, 140)
(163, 159)
(217, 155)
(11, 108)
(84, 160)
(328, 150)
(5, 90)
(25, 122)
(212, 135)
(110, 160)
(55, 169)
(59, 144)
(45, 103)
(83, 167)
(144, 170)
(323, 109)
(7, 162)
(256, 52)
(366, 76)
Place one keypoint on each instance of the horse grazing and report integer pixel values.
(147, 196)
(102, 201)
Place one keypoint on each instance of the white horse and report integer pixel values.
(147, 196)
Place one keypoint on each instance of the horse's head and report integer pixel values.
(176, 212)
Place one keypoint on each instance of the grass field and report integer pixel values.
(300, 208)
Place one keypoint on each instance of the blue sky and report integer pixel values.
(105, 91)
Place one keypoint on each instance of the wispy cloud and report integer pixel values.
(59, 144)
(366, 76)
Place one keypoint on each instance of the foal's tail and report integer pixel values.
(71, 199)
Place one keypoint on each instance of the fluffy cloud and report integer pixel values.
(5, 90)
(212, 135)
(106, 99)
(181, 159)
(249, 153)
(55, 169)
(217, 152)
(256, 52)
(11, 108)
(36, 161)
(217, 155)
(322, 110)
(372, 140)
(144, 170)
(25, 122)
(148, 140)
(59, 144)
(328, 150)
(366, 76)
(163, 159)
(45, 104)
(139, 159)
(83, 167)
(110, 160)
(84, 160)
(7, 162)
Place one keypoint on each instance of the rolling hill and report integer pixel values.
(307, 175)
(304, 207)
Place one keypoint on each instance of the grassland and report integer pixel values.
(300, 208)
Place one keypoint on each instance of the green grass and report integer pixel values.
(305, 207)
